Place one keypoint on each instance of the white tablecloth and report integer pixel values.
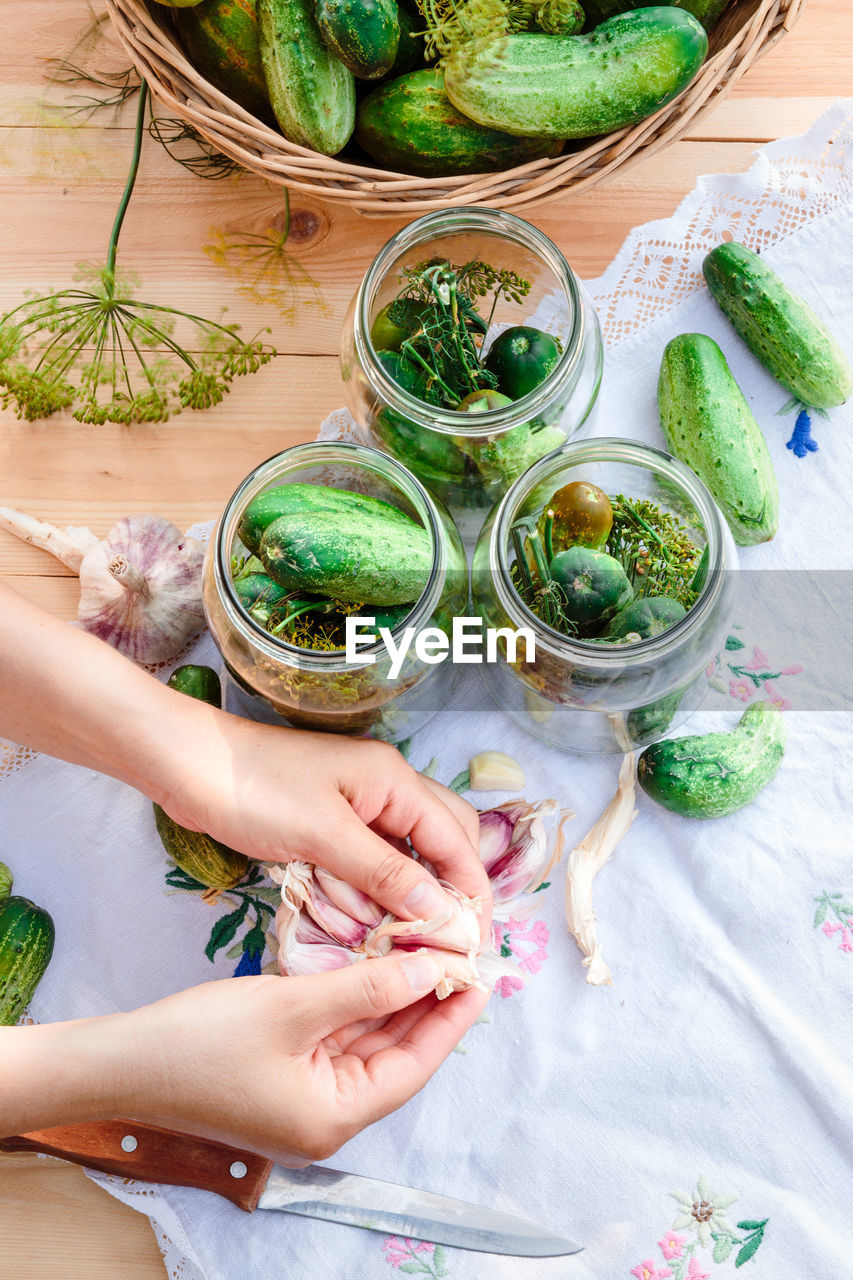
(717, 1068)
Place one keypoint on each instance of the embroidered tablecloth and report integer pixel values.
(697, 1116)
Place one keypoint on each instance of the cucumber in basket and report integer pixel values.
(221, 41)
(708, 424)
(410, 125)
(578, 86)
(363, 33)
(311, 91)
(707, 11)
(778, 326)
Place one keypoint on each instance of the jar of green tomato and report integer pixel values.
(617, 560)
(469, 351)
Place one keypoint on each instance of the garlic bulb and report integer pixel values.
(140, 587)
(323, 923)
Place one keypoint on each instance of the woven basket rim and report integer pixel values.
(260, 149)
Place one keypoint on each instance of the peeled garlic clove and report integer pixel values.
(355, 903)
(495, 771)
(140, 589)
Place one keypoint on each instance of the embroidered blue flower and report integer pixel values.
(802, 441)
(250, 962)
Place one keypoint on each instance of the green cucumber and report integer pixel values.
(778, 326)
(5, 882)
(208, 861)
(363, 560)
(593, 585)
(363, 33)
(707, 11)
(646, 617)
(714, 774)
(411, 49)
(221, 41)
(26, 945)
(411, 126)
(521, 358)
(259, 596)
(197, 682)
(311, 91)
(303, 499)
(578, 86)
(708, 424)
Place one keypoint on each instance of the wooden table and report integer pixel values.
(60, 188)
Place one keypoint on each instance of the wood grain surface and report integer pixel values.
(60, 186)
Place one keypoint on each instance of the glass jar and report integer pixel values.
(589, 697)
(277, 682)
(469, 460)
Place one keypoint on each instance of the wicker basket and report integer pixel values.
(745, 31)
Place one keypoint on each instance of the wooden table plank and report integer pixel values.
(59, 189)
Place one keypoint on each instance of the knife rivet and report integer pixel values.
(238, 1169)
(129, 1143)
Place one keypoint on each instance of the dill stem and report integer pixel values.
(129, 185)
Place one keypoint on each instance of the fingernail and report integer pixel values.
(426, 900)
(422, 970)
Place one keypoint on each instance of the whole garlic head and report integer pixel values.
(140, 588)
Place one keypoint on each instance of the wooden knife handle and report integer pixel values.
(135, 1150)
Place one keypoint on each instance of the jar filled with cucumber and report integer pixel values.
(436, 88)
(617, 561)
(470, 351)
(319, 535)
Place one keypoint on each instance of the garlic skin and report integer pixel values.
(140, 589)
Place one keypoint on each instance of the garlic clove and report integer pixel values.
(495, 771)
(456, 929)
(304, 948)
(355, 903)
(140, 589)
(496, 828)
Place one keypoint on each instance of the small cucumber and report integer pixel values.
(197, 682)
(5, 882)
(410, 125)
(26, 945)
(208, 861)
(311, 91)
(708, 424)
(364, 560)
(363, 33)
(578, 86)
(221, 40)
(778, 326)
(714, 774)
(303, 499)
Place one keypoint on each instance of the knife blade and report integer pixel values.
(133, 1150)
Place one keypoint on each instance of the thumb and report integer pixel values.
(372, 988)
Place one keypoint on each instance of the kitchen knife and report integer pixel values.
(134, 1150)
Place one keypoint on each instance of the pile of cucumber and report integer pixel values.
(359, 74)
(318, 554)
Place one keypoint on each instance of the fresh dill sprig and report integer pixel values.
(113, 357)
(654, 548)
(189, 149)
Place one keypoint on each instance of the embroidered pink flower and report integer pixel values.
(740, 689)
(758, 661)
(694, 1271)
(648, 1271)
(525, 942)
(829, 928)
(506, 985)
(775, 698)
(399, 1251)
(672, 1245)
(846, 944)
(792, 671)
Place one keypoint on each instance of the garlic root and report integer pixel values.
(68, 545)
(586, 860)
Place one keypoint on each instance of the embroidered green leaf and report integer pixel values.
(749, 1248)
(179, 879)
(749, 1225)
(225, 928)
(820, 914)
(414, 1268)
(722, 1247)
(733, 643)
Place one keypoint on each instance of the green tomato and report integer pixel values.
(387, 334)
(582, 514)
(521, 358)
(646, 617)
(594, 585)
(482, 402)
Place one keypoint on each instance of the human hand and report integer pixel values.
(278, 794)
(289, 1067)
